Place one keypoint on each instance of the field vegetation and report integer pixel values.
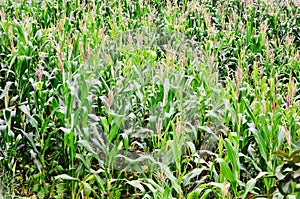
(149, 99)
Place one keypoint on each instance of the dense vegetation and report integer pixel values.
(149, 99)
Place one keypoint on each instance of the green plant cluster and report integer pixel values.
(149, 99)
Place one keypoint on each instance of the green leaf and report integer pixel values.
(195, 172)
(281, 154)
(251, 183)
(295, 153)
(233, 157)
(87, 146)
(104, 124)
(137, 184)
(206, 194)
(167, 192)
(65, 177)
(31, 119)
(225, 170)
(263, 149)
(296, 159)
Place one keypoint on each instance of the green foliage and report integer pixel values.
(149, 99)
(287, 174)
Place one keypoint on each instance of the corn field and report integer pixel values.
(150, 99)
